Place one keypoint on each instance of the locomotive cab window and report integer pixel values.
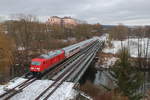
(36, 63)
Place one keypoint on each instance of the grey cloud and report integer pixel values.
(103, 11)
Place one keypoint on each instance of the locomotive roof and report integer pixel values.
(51, 54)
(38, 59)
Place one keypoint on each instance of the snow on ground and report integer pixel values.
(85, 95)
(64, 92)
(132, 44)
(1, 89)
(103, 37)
(109, 62)
(11, 84)
(21, 48)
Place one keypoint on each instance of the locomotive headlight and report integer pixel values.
(32, 68)
(38, 69)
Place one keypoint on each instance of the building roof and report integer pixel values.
(67, 17)
(54, 17)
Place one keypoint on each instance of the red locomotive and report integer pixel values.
(46, 61)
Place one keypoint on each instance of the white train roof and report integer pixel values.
(71, 47)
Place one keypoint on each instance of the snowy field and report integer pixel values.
(132, 45)
(64, 92)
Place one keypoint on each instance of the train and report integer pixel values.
(47, 61)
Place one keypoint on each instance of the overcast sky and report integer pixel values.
(131, 12)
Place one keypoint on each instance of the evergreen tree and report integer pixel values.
(126, 76)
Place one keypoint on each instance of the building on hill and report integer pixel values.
(69, 21)
(54, 20)
(65, 21)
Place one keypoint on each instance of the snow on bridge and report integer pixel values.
(64, 92)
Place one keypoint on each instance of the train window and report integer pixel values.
(36, 63)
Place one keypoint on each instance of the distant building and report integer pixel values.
(69, 21)
(66, 21)
(54, 20)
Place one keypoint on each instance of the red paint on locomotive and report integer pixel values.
(42, 63)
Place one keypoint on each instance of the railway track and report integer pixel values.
(67, 73)
(17, 88)
(20, 85)
(10, 93)
(62, 66)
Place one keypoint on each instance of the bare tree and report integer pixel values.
(119, 32)
(6, 56)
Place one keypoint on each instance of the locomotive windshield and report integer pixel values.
(35, 63)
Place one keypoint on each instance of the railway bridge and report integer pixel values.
(71, 70)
